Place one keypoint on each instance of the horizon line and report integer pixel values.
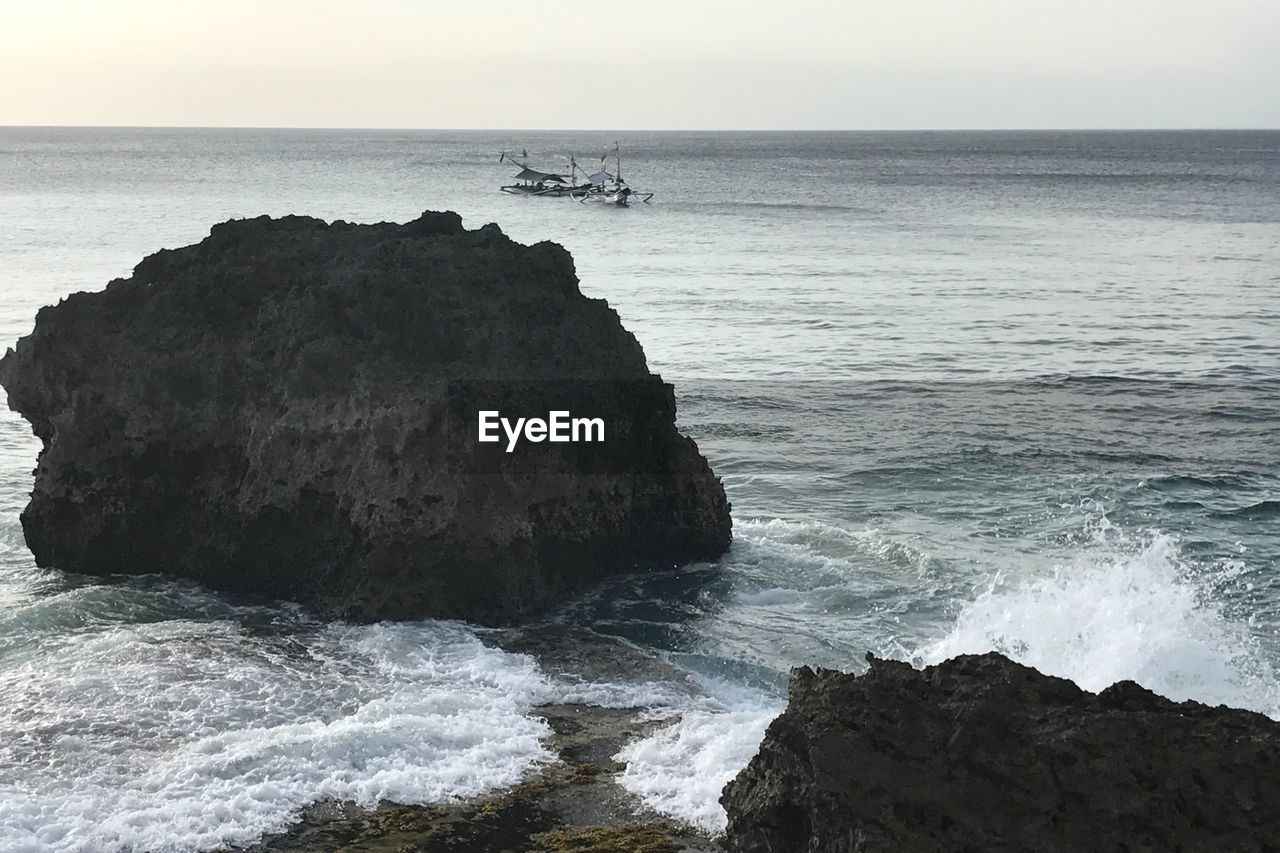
(388, 128)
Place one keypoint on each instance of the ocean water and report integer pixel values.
(967, 391)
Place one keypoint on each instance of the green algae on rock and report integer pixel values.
(628, 838)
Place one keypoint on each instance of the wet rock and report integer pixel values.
(572, 804)
(982, 754)
(290, 408)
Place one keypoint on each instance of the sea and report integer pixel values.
(967, 391)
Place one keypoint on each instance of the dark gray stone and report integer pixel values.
(982, 754)
(288, 407)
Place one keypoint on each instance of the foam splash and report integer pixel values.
(1122, 609)
(185, 735)
(680, 770)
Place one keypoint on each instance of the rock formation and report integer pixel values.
(289, 408)
(982, 754)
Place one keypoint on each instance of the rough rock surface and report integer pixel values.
(982, 754)
(289, 408)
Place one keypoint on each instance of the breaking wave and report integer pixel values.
(192, 734)
(1125, 608)
(680, 770)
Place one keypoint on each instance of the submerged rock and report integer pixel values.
(982, 754)
(290, 408)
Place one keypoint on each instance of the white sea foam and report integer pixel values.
(1123, 609)
(187, 735)
(680, 769)
(816, 544)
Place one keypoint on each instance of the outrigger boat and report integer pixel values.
(606, 188)
(534, 182)
(611, 190)
(603, 187)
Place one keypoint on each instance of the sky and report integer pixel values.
(642, 64)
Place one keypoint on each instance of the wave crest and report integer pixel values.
(1120, 612)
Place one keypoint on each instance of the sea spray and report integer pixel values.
(1125, 608)
(680, 770)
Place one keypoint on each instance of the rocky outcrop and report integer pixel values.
(982, 754)
(289, 408)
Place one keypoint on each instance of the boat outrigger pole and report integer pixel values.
(524, 155)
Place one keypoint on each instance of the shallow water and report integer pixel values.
(966, 391)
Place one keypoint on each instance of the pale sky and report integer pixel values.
(642, 64)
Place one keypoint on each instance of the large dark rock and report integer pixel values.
(981, 754)
(289, 408)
